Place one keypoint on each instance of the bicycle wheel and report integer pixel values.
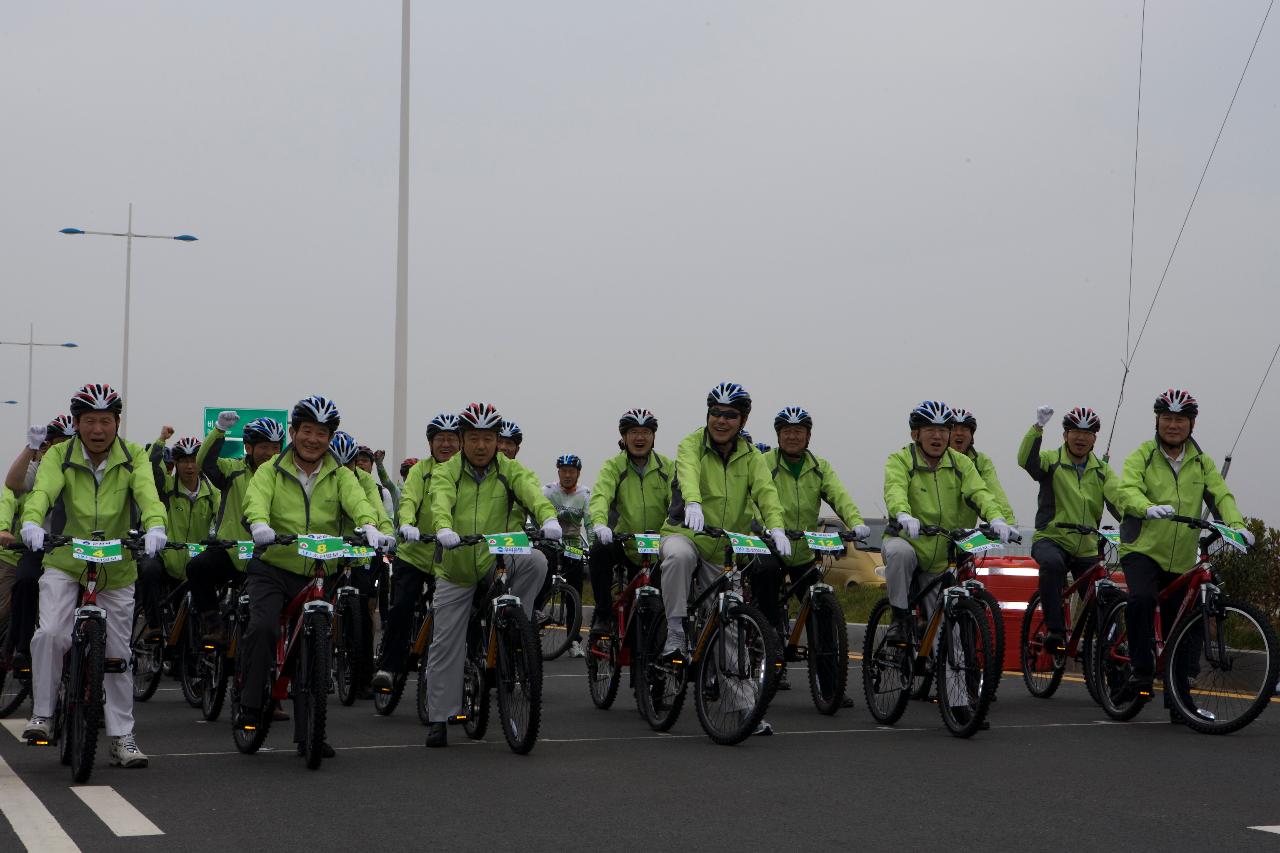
(146, 663)
(982, 597)
(1112, 668)
(559, 620)
(1088, 636)
(518, 677)
(190, 674)
(603, 669)
(660, 684)
(828, 658)
(84, 711)
(922, 674)
(475, 697)
(886, 669)
(13, 692)
(347, 632)
(731, 681)
(314, 663)
(967, 667)
(248, 742)
(1221, 666)
(214, 671)
(1041, 671)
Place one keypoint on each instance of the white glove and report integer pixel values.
(262, 533)
(35, 436)
(780, 541)
(33, 536)
(1003, 529)
(447, 538)
(1043, 414)
(1160, 511)
(551, 529)
(603, 534)
(227, 419)
(693, 517)
(1248, 537)
(377, 540)
(910, 524)
(410, 533)
(861, 531)
(153, 541)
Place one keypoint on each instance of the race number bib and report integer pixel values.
(508, 543)
(647, 543)
(244, 550)
(1231, 537)
(823, 541)
(745, 543)
(97, 551)
(319, 546)
(976, 543)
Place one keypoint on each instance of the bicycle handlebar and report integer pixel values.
(1083, 528)
(961, 533)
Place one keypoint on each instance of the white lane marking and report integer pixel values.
(1272, 829)
(15, 728)
(115, 811)
(34, 824)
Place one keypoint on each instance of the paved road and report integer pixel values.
(1048, 772)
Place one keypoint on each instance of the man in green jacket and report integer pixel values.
(96, 483)
(415, 560)
(928, 483)
(1074, 486)
(962, 432)
(1166, 476)
(263, 438)
(631, 495)
(473, 493)
(303, 490)
(721, 480)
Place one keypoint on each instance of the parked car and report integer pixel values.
(855, 567)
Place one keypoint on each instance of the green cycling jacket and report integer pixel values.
(468, 502)
(729, 490)
(802, 496)
(415, 510)
(276, 498)
(987, 470)
(188, 521)
(1068, 494)
(1149, 480)
(630, 502)
(11, 522)
(231, 478)
(943, 497)
(125, 498)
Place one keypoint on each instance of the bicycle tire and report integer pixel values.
(965, 643)
(475, 697)
(13, 692)
(1205, 710)
(604, 670)
(1088, 635)
(1041, 682)
(248, 742)
(886, 670)
(741, 635)
(921, 681)
(660, 684)
(1112, 668)
(214, 664)
(85, 712)
(518, 679)
(145, 680)
(317, 647)
(560, 622)
(346, 648)
(424, 715)
(828, 659)
(189, 670)
(386, 702)
(995, 621)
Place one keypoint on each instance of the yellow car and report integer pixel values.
(854, 567)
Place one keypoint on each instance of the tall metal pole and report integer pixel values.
(31, 355)
(399, 400)
(128, 273)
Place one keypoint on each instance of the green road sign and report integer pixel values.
(233, 447)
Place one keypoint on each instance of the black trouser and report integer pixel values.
(206, 572)
(1055, 563)
(24, 603)
(558, 563)
(1145, 579)
(152, 586)
(407, 581)
(605, 560)
(766, 583)
(270, 589)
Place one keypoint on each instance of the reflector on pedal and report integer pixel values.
(458, 718)
(250, 728)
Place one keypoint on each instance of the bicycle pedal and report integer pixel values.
(457, 719)
(39, 742)
(115, 665)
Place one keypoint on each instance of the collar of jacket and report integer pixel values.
(328, 464)
(115, 456)
(947, 460)
(740, 446)
(778, 463)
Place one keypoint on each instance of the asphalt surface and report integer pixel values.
(1048, 772)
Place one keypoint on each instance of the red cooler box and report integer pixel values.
(1012, 580)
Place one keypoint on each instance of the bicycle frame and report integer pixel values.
(623, 605)
(310, 598)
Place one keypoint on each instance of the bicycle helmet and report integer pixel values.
(1081, 417)
(59, 426)
(406, 465)
(762, 447)
(746, 436)
(792, 416)
(479, 416)
(186, 447)
(443, 422)
(96, 398)
(637, 418)
(343, 446)
(316, 409)
(964, 417)
(730, 394)
(263, 429)
(1176, 401)
(569, 460)
(931, 413)
(511, 430)
(365, 450)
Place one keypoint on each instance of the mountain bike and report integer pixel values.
(385, 701)
(353, 629)
(207, 667)
(636, 607)
(155, 649)
(559, 619)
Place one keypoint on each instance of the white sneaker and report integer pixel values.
(675, 642)
(38, 728)
(575, 649)
(125, 752)
(764, 729)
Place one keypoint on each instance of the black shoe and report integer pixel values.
(1055, 643)
(984, 725)
(784, 681)
(326, 751)
(1139, 686)
(899, 633)
(601, 621)
(214, 630)
(279, 715)
(437, 735)
(249, 719)
(847, 701)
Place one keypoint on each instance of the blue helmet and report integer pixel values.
(511, 430)
(762, 447)
(931, 413)
(263, 429)
(569, 460)
(343, 446)
(792, 416)
(443, 422)
(730, 394)
(317, 409)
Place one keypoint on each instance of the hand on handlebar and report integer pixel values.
(262, 534)
(603, 534)
(1005, 531)
(781, 543)
(33, 536)
(693, 517)
(409, 533)
(551, 530)
(377, 540)
(447, 539)
(153, 541)
(910, 524)
(1160, 511)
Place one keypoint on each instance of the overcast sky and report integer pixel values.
(846, 206)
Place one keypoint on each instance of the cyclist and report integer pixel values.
(368, 462)
(414, 559)
(263, 439)
(22, 472)
(510, 438)
(1167, 475)
(928, 483)
(721, 480)
(571, 510)
(302, 490)
(631, 495)
(472, 493)
(344, 448)
(803, 480)
(962, 432)
(409, 462)
(1074, 484)
(99, 482)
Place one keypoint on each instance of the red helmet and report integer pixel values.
(1082, 417)
(96, 398)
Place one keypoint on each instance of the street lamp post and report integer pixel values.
(31, 343)
(128, 270)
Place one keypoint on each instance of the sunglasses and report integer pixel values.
(725, 414)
